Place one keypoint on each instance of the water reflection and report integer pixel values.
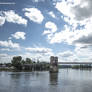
(66, 80)
(15, 75)
(53, 78)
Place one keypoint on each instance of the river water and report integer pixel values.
(67, 80)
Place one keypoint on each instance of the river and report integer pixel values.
(67, 80)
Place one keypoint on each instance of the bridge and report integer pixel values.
(54, 63)
(74, 62)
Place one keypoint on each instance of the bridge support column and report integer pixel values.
(53, 64)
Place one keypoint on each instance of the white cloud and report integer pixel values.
(35, 53)
(76, 37)
(83, 9)
(51, 28)
(66, 54)
(64, 8)
(78, 55)
(2, 20)
(11, 16)
(19, 35)
(39, 50)
(75, 11)
(78, 15)
(3, 55)
(78, 9)
(85, 35)
(10, 49)
(5, 58)
(84, 53)
(34, 14)
(5, 49)
(63, 36)
(36, 56)
(9, 44)
(51, 13)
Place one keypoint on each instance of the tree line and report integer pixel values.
(20, 64)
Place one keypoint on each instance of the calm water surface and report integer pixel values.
(67, 80)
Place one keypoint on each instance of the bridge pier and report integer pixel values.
(53, 64)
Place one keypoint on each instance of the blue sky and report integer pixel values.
(41, 28)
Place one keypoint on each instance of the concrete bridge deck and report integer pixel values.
(74, 62)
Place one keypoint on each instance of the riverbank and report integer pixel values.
(15, 70)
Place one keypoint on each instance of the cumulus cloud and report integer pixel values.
(77, 15)
(82, 36)
(34, 14)
(77, 12)
(9, 44)
(85, 35)
(11, 16)
(75, 8)
(19, 35)
(51, 28)
(64, 8)
(83, 9)
(63, 36)
(79, 18)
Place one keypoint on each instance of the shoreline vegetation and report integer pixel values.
(18, 64)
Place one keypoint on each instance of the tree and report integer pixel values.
(23, 62)
(28, 61)
(16, 62)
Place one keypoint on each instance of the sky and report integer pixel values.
(38, 29)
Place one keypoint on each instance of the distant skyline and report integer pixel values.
(39, 29)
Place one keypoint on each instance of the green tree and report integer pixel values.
(23, 62)
(16, 62)
(28, 61)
